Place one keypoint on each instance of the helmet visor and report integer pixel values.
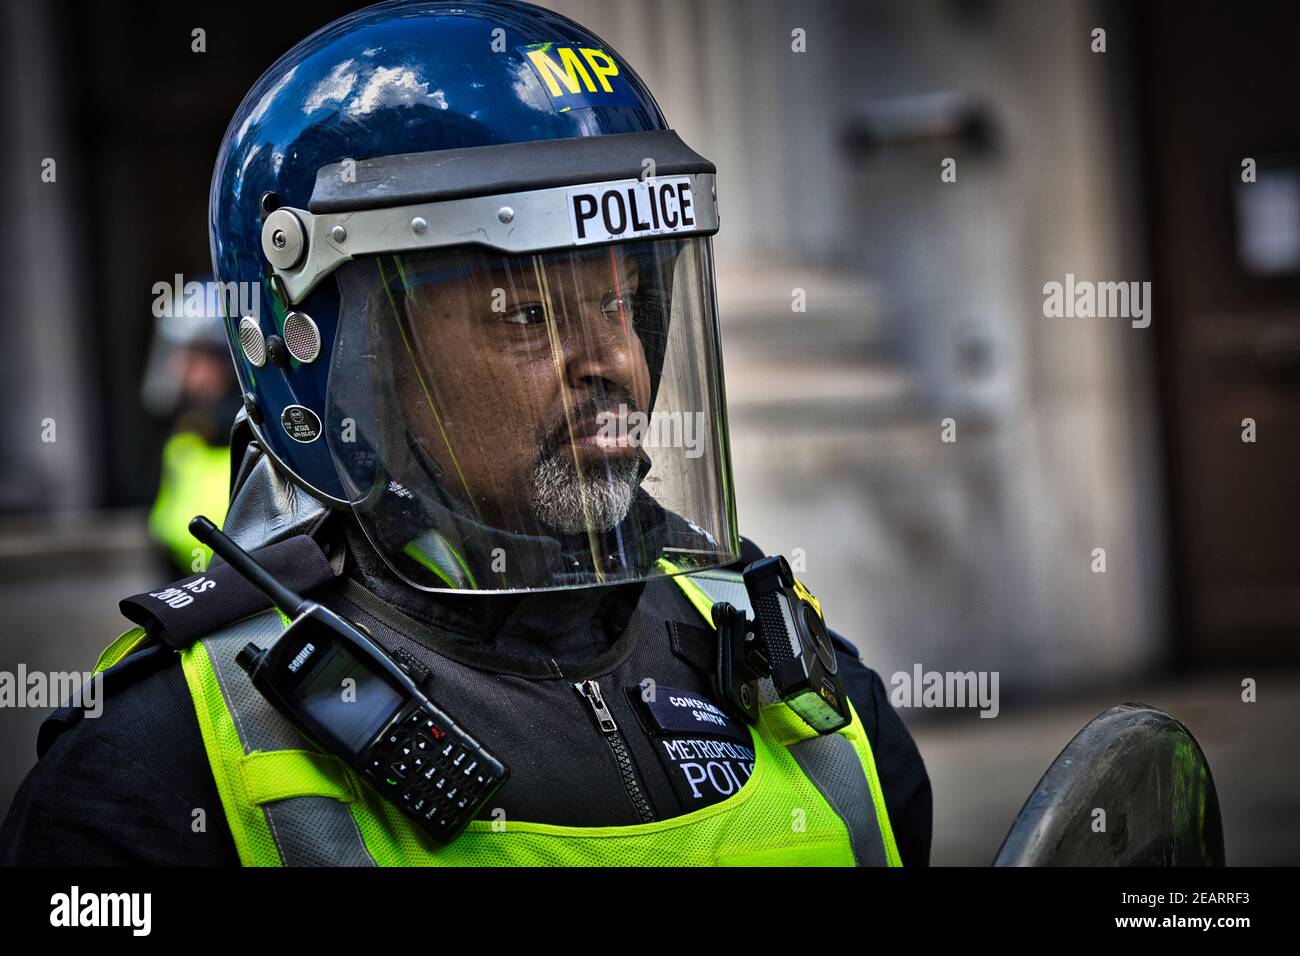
(549, 420)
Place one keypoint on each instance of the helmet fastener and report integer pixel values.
(284, 240)
(276, 353)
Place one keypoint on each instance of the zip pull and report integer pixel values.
(591, 690)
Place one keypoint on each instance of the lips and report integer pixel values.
(604, 433)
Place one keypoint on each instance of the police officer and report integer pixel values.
(484, 420)
(188, 382)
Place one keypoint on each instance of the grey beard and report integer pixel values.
(596, 500)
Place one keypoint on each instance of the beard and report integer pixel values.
(595, 498)
(573, 499)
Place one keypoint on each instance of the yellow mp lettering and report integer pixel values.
(572, 69)
(605, 67)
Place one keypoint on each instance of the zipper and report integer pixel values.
(590, 690)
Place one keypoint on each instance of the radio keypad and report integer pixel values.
(435, 775)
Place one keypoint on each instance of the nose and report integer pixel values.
(603, 352)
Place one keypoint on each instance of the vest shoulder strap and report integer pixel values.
(285, 803)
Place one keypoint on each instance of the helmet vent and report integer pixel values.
(301, 337)
(252, 341)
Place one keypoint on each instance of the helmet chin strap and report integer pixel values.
(422, 456)
(429, 465)
(643, 465)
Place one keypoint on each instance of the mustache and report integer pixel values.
(553, 437)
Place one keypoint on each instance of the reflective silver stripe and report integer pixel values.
(538, 221)
(723, 585)
(832, 763)
(308, 831)
(830, 760)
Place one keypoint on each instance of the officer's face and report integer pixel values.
(527, 369)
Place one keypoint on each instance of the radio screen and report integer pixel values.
(348, 698)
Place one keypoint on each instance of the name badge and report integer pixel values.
(674, 711)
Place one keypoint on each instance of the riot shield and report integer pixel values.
(1131, 789)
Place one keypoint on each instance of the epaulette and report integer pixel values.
(180, 613)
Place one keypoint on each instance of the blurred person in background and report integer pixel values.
(189, 382)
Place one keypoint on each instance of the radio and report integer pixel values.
(383, 724)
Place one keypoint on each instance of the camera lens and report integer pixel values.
(821, 638)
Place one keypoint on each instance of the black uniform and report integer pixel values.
(123, 788)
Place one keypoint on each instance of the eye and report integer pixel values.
(614, 305)
(531, 314)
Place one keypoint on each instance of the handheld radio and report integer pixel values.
(383, 725)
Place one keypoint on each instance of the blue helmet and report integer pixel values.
(486, 320)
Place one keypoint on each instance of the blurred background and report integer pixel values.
(864, 301)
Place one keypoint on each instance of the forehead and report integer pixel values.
(473, 267)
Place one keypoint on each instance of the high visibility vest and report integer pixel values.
(810, 800)
(195, 481)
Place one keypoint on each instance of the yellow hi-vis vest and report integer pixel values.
(810, 799)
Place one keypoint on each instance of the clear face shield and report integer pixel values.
(514, 421)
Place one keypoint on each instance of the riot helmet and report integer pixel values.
(487, 322)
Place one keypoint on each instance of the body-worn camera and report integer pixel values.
(787, 641)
